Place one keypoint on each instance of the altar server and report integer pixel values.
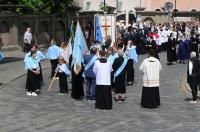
(102, 69)
(151, 68)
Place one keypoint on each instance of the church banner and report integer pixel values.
(108, 25)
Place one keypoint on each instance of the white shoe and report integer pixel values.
(37, 90)
(34, 94)
(28, 93)
(193, 102)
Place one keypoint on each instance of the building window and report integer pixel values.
(119, 5)
(101, 4)
(88, 4)
(157, 10)
(23, 27)
(194, 10)
(60, 26)
(4, 27)
(43, 27)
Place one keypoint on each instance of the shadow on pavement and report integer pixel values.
(188, 99)
(1, 84)
(10, 59)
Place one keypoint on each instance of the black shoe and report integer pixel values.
(123, 99)
(169, 63)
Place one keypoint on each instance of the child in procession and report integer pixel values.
(63, 73)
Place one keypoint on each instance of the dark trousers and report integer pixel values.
(41, 76)
(63, 82)
(130, 71)
(27, 47)
(32, 81)
(194, 92)
(54, 64)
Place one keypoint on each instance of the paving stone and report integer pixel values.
(50, 112)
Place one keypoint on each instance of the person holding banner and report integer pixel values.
(77, 81)
(80, 47)
(89, 61)
(102, 69)
(120, 69)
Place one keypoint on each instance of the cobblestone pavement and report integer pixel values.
(50, 112)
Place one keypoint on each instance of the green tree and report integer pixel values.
(43, 7)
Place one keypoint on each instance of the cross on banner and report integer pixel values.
(106, 28)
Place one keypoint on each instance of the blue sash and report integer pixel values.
(89, 64)
(120, 69)
(64, 68)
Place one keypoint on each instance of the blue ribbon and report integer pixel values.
(120, 69)
(89, 64)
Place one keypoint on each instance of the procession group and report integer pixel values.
(107, 68)
(181, 41)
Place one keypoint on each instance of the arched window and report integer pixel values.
(44, 27)
(158, 10)
(194, 10)
(176, 10)
(23, 27)
(4, 27)
(60, 26)
(148, 20)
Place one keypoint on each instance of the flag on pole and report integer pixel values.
(71, 40)
(72, 29)
(98, 36)
(69, 47)
(80, 47)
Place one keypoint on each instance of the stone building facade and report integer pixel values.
(160, 11)
(147, 10)
(13, 27)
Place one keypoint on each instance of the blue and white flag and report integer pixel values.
(98, 36)
(1, 56)
(70, 45)
(80, 47)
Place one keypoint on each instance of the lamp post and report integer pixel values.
(104, 5)
(175, 8)
(105, 17)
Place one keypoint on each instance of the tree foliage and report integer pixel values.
(43, 7)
